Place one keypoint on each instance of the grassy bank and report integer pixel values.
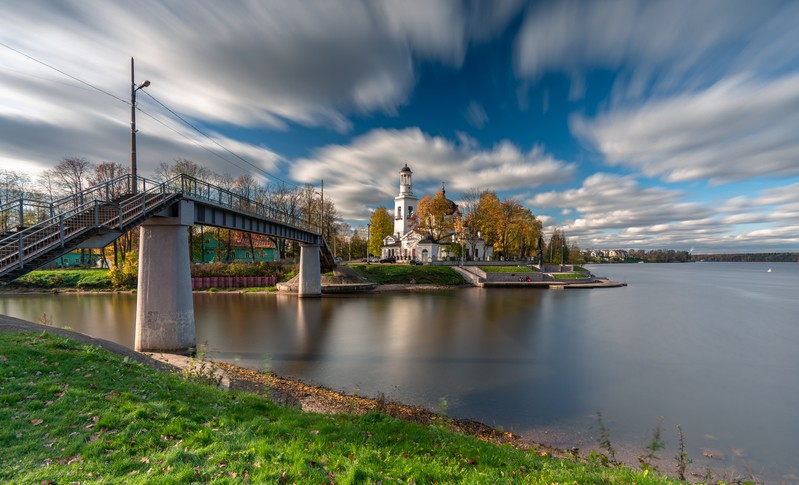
(102, 279)
(400, 274)
(81, 279)
(78, 413)
(507, 269)
(569, 276)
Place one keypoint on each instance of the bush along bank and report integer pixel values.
(79, 413)
(400, 274)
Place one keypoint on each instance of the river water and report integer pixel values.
(713, 347)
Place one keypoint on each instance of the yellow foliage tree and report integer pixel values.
(436, 215)
(381, 226)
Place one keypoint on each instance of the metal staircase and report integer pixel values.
(35, 232)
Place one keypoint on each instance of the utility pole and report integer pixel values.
(322, 211)
(133, 89)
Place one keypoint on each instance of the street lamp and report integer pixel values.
(465, 239)
(368, 235)
(133, 89)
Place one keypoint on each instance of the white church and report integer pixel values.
(408, 244)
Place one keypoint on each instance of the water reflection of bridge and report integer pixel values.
(34, 233)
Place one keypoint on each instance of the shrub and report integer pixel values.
(126, 276)
(283, 271)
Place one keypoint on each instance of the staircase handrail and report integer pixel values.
(54, 230)
(44, 230)
(12, 213)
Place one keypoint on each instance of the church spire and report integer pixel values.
(405, 181)
(404, 203)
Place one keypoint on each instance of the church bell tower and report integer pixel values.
(404, 203)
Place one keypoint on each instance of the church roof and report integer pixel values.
(453, 207)
(405, 169)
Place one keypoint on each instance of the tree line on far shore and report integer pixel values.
(750, 257)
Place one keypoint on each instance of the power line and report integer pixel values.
(159, 121)
(65, 74)
(189, 139)
(188, 123)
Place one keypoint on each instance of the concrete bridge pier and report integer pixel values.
(164, 306)
(310, 271)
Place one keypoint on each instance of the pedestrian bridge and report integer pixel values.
(34, 233)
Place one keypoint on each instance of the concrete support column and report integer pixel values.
(164, 307)
(310, 271)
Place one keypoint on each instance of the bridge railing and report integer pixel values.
(73, 218)
(196, 188)
(23, 211)
(32, 227)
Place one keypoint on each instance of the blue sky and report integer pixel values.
(658, 124)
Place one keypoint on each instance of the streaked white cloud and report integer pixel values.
(661, 46)
(476, 115)
(256, 65)
(365, 173)
(607, 201)
(734, 130)
(612, 211)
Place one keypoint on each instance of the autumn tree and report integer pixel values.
(382, 225)
(46, 182)
(358, 243)
(486, 214)
(575, 255)
(523, 232)
(107, 171)
(183, 166)
(286, 201)
(13, 185)
(556, 249)
(71, 175)
(436, 215)
(506, 223)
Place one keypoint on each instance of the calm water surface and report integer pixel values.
(711, 346)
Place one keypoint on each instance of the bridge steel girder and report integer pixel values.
(211, 215)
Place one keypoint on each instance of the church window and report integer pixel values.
(410, 211)
(399, 212)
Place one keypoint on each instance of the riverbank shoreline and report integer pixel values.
(292, 392)
(323, 400)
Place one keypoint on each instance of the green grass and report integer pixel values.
(507, 269)
(388, 274)
(569, 276)
(74, 413)
(258, 289)
(84, 279)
